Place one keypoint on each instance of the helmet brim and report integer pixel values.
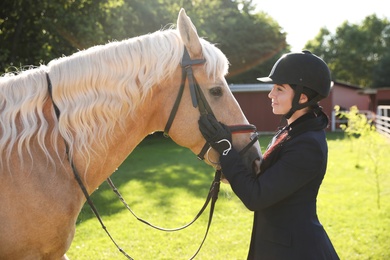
(266, 80)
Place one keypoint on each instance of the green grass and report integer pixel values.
(166, 185)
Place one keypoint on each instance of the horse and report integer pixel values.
(88, 111)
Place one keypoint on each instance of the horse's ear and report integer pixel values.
(189, 35)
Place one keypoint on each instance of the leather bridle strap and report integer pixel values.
(50, 90)
(212, 196)
(186, 65)
(241, 129)
(79, 180)
(200, 101)
(119, 195)
(235, 129)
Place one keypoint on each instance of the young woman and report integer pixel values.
(283, 196)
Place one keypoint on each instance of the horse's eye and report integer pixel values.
(216, 91)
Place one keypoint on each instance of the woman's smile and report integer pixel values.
(281, 97)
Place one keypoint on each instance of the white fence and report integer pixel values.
(382, 120)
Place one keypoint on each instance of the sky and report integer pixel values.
(302, 19)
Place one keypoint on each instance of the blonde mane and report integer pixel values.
(94, 89)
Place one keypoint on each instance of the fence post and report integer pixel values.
(382, 120)
(333, 121)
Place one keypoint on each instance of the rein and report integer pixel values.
(212, 196)
(198, 100)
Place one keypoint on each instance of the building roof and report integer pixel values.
(346, 85)
(266, 87)
(368, 91)
(256, 87)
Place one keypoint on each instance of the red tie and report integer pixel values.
(275, 142)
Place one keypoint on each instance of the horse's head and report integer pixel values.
(203, 68)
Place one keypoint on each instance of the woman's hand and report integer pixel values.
(216, 134)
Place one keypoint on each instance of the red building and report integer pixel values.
(378, 97)
(346, 96)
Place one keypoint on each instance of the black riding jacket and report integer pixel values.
(283, 197)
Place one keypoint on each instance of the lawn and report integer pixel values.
(166, 185)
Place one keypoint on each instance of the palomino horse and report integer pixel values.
(100, 105)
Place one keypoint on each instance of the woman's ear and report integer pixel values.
(303, 99)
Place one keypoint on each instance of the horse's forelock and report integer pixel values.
(217, 64)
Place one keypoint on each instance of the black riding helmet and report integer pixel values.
(305, 73)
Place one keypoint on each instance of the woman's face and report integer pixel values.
(281, 96)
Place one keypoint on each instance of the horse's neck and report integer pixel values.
(104, 163)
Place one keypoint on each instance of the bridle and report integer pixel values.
(198, 100)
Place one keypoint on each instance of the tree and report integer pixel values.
(382, 72)
(35, 32)
(251, 41)
(356, 53)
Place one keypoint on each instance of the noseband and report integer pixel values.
(199, 100)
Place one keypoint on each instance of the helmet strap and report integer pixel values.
(295, 102)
